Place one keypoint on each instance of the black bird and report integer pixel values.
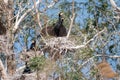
(59, 28)
(33, 44)
(27, 69)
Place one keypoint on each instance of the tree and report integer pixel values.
(92, 39)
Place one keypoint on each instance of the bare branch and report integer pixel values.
(84, 45)
(22, 17)
(110, 56)
(3, 72)
(37, 14)
(52, 4)
(25, 14)
(71, 24)
(113, 3)
(116, 10)
(72, 19)
(87, 61)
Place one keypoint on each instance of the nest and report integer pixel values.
(59, 43)
(57, 46)
(54, 46)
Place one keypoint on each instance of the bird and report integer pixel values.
(27, 69)
(33, 44)
(59, 28)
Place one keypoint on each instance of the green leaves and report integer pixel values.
(37, 63)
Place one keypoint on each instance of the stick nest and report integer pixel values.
(59, 43)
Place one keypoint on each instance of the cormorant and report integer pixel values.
(59, 28)
(27, 69)
(33, 44)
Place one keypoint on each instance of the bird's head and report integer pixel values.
(60, 14)
(61, 18)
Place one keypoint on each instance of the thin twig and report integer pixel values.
(110, 56)
(84, 63)
(84, 45)
(2, 71)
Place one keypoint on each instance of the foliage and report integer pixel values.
(37, 63)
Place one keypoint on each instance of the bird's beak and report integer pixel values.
(61, 13)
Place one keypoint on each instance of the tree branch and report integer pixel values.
(22, 17)
(116, 10)
(71, 24)
(113, 3)
(110, 56)
(37, 14)
(81, 46)
(3, 72)
(84, 63)
(71, 19)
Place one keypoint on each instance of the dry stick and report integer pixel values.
(46, 29)
(116, 8)
(71, 24)
(35, 6)
(110, 56)
(84, 45)
(3, 72)
(72, 19)
(113, 3)
(84, 63)
(37, 14)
